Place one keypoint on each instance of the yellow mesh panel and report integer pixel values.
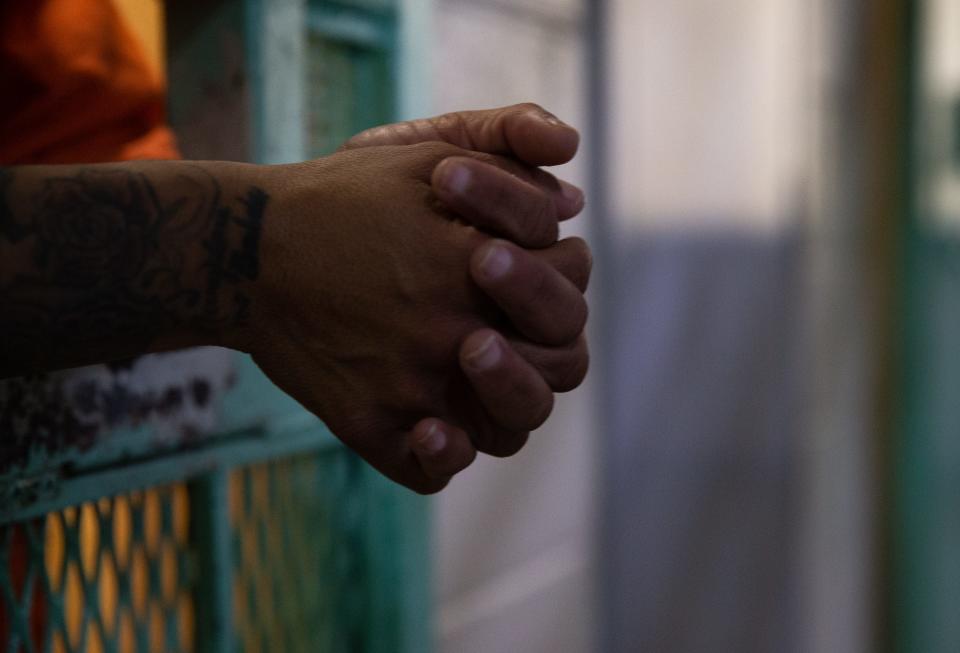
(110, 575)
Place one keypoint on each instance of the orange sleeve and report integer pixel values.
(76, 86)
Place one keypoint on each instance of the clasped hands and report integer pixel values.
(447, 313)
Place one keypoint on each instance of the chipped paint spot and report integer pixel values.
(200, 389)
(177, 394)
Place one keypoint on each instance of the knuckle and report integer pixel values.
(398, 133)
(554, 318)
(531, 411)
(361, 423)
(581, 247)
(536, 286)
(501, 199)
(566, 327)
(461, 462)
(450, 461)
(351, 143)
(579, 318)
(412, 391)
(428, 486)
(492, 160)
(503, 444)
(436, 150)
(529, 106)
(542, 218)
(582, 261)
(542, 411)
(360, 139)
(455, 127)
(543, 179)
(587, 268)
(529, 215)
(571, 372)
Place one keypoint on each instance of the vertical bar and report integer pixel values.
(601, 234)
(413, 513)
(211, 529)
(886, 214)
(416, 601)
(836, 514)
(918, 497)
(415, 27)
(397, 541)
(909, 536)
(276, 41)
(852, 284)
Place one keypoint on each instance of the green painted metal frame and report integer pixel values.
(397, 521)
(260, 423)
(216, 632)
(926, 522)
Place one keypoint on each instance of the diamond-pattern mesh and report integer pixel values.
(300, 576)
(120, 575)
(329, 109)
(103, 577)
(348, 90)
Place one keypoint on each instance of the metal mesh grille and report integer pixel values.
(300, 577)
(349, 90)
(114, 575)
(330, 108)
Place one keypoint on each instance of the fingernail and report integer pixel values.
(496, 263)
(486, 355)
(434, 440)
(457, 178)
(572, 194)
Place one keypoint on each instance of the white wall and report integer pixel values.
(732, 118)
(514, 537)
(711, 114)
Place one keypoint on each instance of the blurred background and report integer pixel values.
(766, 456)
(722, 484)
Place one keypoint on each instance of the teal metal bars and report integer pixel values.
(262, 533)
(111, 575)
(926, 522)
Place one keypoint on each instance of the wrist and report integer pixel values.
(224, 209)
(291, 195)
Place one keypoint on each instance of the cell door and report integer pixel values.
(927, 520)
(180, 502)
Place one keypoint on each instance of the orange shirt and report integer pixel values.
(76, 87)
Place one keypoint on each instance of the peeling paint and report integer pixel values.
(177, 395)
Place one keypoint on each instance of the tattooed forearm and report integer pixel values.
(99, 262)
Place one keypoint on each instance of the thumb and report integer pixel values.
(526, 132)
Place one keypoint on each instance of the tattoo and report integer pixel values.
(241, 264)
(106, 256)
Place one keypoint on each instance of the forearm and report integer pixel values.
(103, 262)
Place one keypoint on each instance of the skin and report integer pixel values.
(409, 289)
(507, 195)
